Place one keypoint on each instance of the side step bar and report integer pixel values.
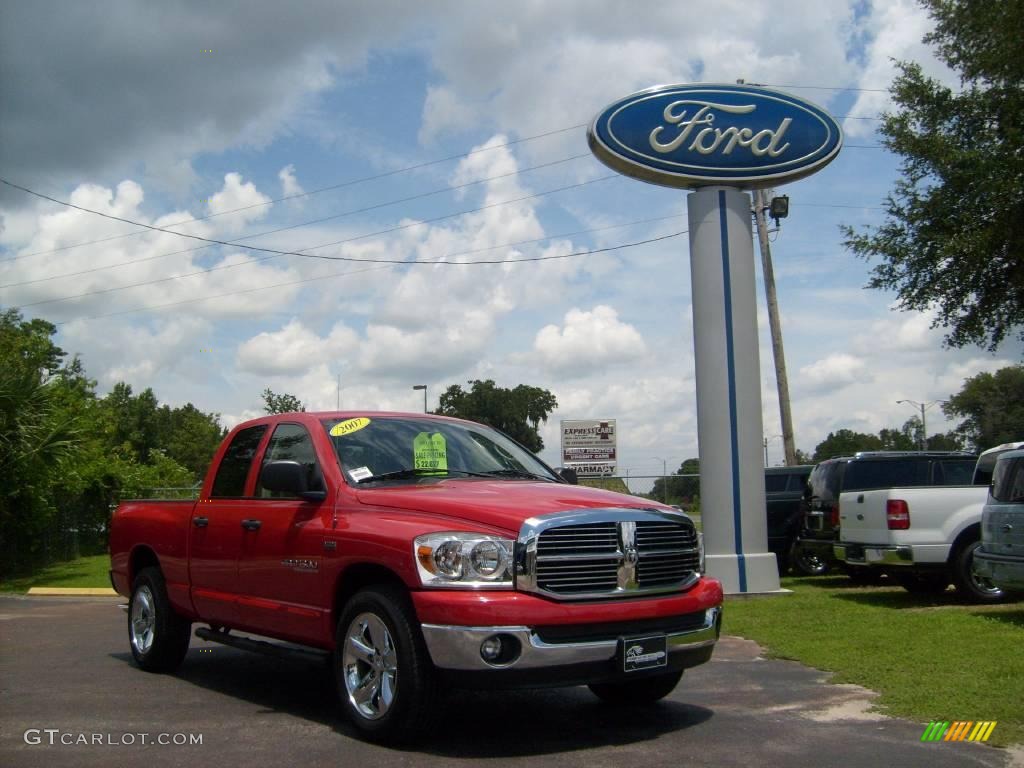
(278, 650)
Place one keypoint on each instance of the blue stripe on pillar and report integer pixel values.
(730, 352)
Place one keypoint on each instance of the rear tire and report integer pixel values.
(383, 672)
(969, 584)
(157, 635)
(643, 691)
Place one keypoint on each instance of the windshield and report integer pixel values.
(383, 449)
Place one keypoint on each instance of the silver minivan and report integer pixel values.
(1001, 555)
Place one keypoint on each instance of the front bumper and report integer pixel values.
(873, 554)
(1005, 571)
(458, 648)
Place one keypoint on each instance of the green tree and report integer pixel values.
(517, 412)
(845, 442)
(190, 437)
(36, 439)
(991, 406)
(283, 403)
(953, 238)
(681, 490)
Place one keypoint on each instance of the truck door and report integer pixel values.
(281, 562)
(216, 531)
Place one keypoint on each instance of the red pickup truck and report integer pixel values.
(422, 553)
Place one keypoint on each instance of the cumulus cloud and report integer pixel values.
(894, 31)
(294, 349)
(289, 184)
(833, 372)
(588, 340)
(235, 195)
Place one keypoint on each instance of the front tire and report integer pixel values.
(643, 691)
(158, 636)
(970, 584)
(382, 669)
(804, 562)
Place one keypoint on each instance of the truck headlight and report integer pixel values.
(464, 560)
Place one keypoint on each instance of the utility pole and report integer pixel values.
(924, 407)
(781, 379)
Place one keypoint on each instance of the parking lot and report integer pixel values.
(66, 675)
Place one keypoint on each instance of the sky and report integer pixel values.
(382, 133)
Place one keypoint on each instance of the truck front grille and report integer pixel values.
(621, 553)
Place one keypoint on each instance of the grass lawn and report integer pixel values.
(83, 572)
(930, 658)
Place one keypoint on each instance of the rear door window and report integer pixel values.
(1008, 481)
(775, 483)
(823, 484)
(234, 467)
(868, 474)
(953, 472)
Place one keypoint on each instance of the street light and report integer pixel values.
(772, 437)
(924, 407)
(664, 478)
(424, 388)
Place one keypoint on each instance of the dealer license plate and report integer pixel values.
(644, 653)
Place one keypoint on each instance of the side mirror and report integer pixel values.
(288, 477)
(569, 475)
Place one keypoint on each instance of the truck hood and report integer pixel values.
(504, 504)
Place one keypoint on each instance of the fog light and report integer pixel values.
(490, 649)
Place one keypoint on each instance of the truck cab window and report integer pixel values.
(234, 467)
(291, 442)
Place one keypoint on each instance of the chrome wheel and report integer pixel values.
(143, 620)
(984, 586)
(370, 666)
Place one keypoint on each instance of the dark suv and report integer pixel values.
(864, 471)
(784, 489)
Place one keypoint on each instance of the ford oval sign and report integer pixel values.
(701, 134)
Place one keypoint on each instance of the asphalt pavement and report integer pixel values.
(70, 695)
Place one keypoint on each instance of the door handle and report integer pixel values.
(251, 525)
(200, 522)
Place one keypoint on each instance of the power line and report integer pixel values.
(340, 185)
(443, 260)
(388, 265)
(277, 253)
(823, 87)
(214, 241)
(352, 212)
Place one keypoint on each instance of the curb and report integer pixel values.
(72, 592)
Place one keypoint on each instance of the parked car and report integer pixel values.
(784, 488)
(864, 471)
(1000, 558)
(925, 537)
(422, 553)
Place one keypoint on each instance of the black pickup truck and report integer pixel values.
(784, 489)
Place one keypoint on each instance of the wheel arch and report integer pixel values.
(356, 577)
(968, 535)
(142, 557)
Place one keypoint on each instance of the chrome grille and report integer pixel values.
(614, 553)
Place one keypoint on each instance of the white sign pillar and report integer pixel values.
(732, 495)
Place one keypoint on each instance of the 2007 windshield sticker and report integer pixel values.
(430, 452)
(348, 426)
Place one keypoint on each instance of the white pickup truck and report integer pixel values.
(924, 537)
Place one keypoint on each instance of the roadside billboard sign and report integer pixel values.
(588, 446)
